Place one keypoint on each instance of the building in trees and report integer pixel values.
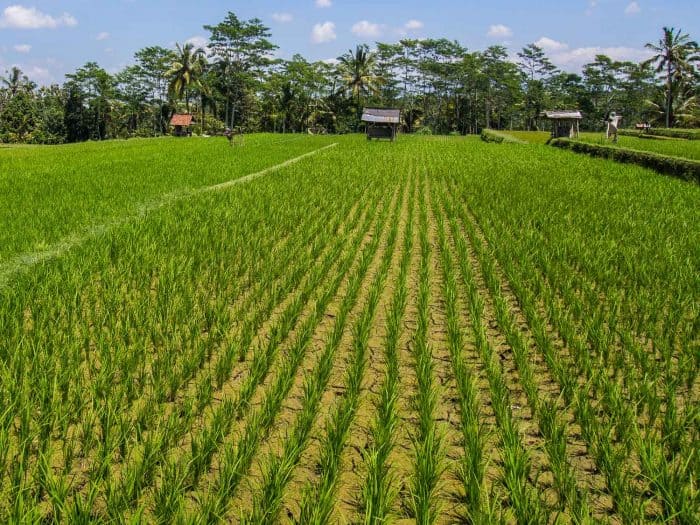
(181, 123)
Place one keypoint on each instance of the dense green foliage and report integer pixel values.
(430, 330)
(676, 166)
(441, 87)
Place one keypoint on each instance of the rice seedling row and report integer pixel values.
(319, 496)
(379, 490)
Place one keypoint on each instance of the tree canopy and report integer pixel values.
(440, 86)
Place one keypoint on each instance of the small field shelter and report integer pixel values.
(565, 123)
(181, 123)
(381, 123)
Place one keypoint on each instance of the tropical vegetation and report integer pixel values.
(441, 87)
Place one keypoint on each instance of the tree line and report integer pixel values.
(440, 86)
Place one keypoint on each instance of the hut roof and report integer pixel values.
(381, 115)
(565, 114)
(181, 119)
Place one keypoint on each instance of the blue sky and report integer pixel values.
(48, 38)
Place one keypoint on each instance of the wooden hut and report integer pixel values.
(565, 123)
(381, 123)
(181, 123)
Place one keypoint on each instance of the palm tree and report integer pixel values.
(358, 72)
(16, 80)
(186, 69)
(674, 56)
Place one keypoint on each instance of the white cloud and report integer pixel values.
(197, 41)
(367, 29)
(23, 48)
(632, 8)
(40, 75)
(413, 25)
(577, 57)
(104, 35)
(549, 44)
(282, 18)
(324, 32)
(500, 31)
(324, 3)
(592, 4)
(20, 17)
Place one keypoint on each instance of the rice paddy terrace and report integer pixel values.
(326, 330)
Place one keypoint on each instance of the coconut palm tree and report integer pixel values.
(674, 55)
(16, 81)
(358, 72)
(186, 69)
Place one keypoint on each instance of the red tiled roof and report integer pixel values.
(181, 120)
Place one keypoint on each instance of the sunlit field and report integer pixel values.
(437, 330)
(687, 149)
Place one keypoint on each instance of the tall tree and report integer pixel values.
(132, 91)
(359, 75)
(97, 87)
(242, 51)
(538, 71)
(675, 54)
(186, 70)
(16, 81)
(502, 86)
(154, 63)
(534, 62)
(604, 80)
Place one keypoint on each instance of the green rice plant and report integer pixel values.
(655, 133)
(516, 464)
(259, 368)
(317, 500)
(105, 376)
(673, 148)
(551, 426)
(378, 492)
(473, 467)
(278, 469)
(259, 423)
(135, 312)
(686, 169)
(50, 186)
(428, 440)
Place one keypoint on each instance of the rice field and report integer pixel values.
(687, 149)
(531, 137)
(326, 330)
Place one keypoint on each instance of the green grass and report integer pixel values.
(436, 329)
(687, 149)
(48, 193)
(532, 137)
